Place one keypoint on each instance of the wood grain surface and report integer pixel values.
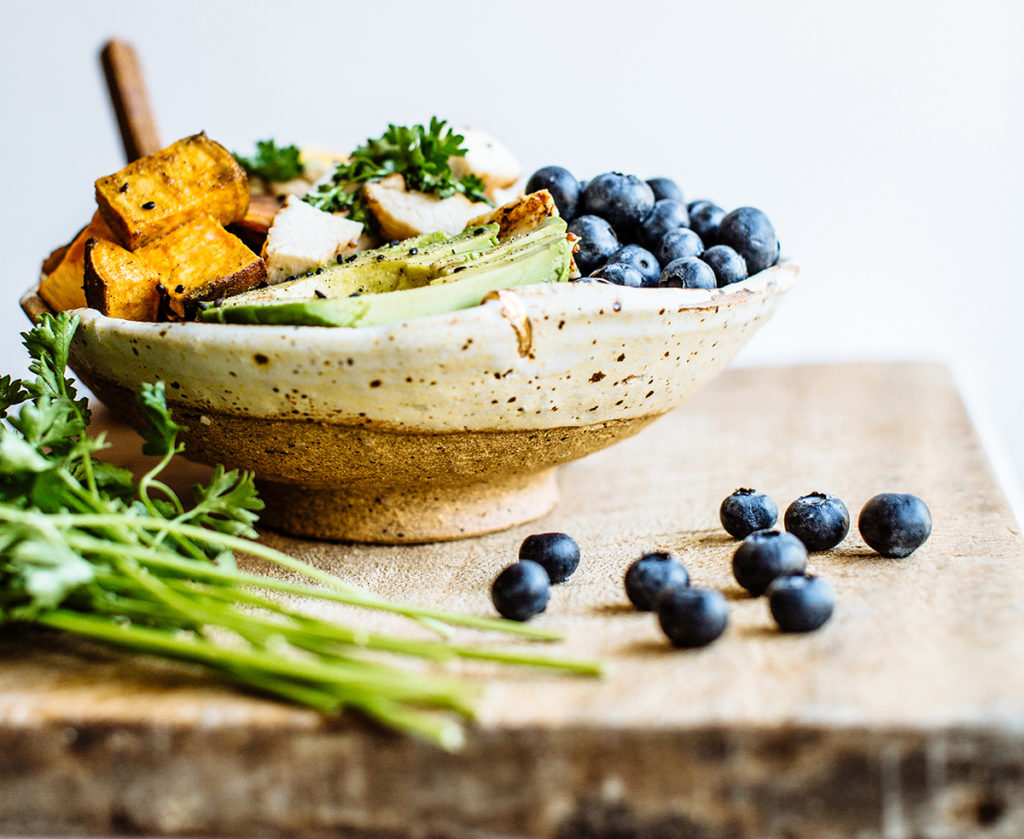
(903, 717)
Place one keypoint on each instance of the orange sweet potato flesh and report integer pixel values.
(152, 196)
(201, 261)
(62, 287)
(119, 283)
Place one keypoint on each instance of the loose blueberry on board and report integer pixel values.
(521, 591)
(688, 272)
(692, 617)
(622, 200)
(801, 603)
(562, 185)
(665, 188)
(819, 520)
(666, 215)
(650, 575)
(727, 264)
(640, 258)
(618, 273)
(749, 232)
(556, 553)
(705, 216)
(766, 555)
(895, 524)
(597, 242)
(747, 510)
(677, 244)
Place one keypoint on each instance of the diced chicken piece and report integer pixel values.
(487, 158)
(302, 237)
(519, 216)
(401, 214)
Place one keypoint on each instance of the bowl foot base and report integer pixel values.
(421, 513)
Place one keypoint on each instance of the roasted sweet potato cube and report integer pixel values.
(157, 193)
(62, 288)
(202, 261)
(120, 283)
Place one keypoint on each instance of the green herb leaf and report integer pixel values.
(421, 154)
(160, 431)
(272, 162)
(227, 503)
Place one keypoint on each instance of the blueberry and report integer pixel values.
(749, 232)
(766, 555)
(622, 200)
(597, 242)
(640, 258)
(618, 273)
(688, 272)
(564, 188)
(665, 188)
(801, 603)
(650, 575)
(521, 590)
(819, 520)
(705, 217)
(556, 553)
(895, 524)
(728, 265)
(665, 216)
(747, 510)
(677, 244)
(692, 617)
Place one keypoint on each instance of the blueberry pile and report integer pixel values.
(643, 234)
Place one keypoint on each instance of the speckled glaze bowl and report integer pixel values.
(432, 429)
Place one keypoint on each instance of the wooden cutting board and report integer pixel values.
(903, 717)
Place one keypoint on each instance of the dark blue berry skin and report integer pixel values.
(692, 617)
(618, 273)
(688, 272)
(562, 185)
(597, 242)
(745, 511)
(728, 265)
(521, 591)
(895, 524)
(819, 520)
(556, 553)
(640, 258)
(677, 244)
(705, 216)
(801, 603)
(766, 555)
(749, 232)
(665, 188)
(666, 215)
(622, 200)
(650, 575)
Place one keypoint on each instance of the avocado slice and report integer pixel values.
(399, 265)
(547, 260)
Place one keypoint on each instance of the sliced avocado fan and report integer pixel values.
(543, 255)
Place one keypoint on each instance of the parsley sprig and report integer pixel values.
(272, 162)
(87, 550)
(419, 153)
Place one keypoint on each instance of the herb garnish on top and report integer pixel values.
(419, 153)
(272, 162)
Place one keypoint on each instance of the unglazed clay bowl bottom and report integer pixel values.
(436, 428)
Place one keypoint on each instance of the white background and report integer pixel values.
(883, 138)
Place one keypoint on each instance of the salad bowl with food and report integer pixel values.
(400, 344)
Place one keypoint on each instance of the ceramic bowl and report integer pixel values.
(436, 428)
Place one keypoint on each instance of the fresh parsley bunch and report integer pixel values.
(86, 549)
(272, 162)
(419, 153)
